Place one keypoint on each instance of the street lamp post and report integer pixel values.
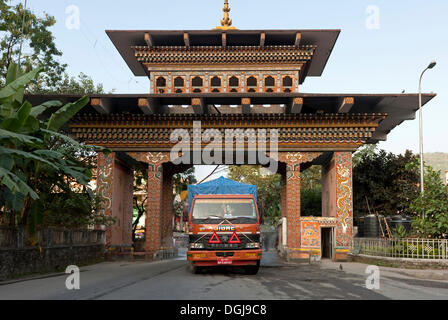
(422, 185)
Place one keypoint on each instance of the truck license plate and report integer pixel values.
(225, 261)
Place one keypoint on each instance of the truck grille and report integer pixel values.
(224, 239)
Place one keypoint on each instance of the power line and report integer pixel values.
(210, 174)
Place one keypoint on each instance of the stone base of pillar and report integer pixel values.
(116, 252)
(162, 254)
(294, 255)
(341, 255)
(300, 255)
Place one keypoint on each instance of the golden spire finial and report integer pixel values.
(226, 23)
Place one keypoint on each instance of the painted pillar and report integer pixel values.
(105, 169)
(344, 204)
(115, 183)
(337, 200)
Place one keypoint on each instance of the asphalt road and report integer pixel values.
(172, 280)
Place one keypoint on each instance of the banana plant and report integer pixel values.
(25, 156)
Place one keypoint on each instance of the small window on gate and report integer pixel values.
(251, 84)
(234, 84)
(197, 84)
(287, 84)
(269, 84)
(161, 85)
(179, 85)
(215, 84)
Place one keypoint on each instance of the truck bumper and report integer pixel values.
(211, 258)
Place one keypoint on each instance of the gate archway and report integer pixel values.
(322, 129)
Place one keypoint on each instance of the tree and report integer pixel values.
(311, 178)
(367, 151)
(269, 188)
(38, 45)
(82, 84)
(36, 161)
(433, 204)
(183, 179)
(386, 181)
(38, 48)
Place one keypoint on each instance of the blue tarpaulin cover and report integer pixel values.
(220, 186)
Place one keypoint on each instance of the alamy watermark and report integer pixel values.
(373, 17)
(210, 147)
(73, 281)
(73, 20)
(373, 280)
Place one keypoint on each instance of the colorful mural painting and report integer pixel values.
(310, 234)
(344, 209)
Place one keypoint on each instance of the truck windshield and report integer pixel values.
(224, 209)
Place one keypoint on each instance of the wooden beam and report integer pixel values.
(101, 105)
(148, 40)
(262, 39)
(379, 135)
(298, 39)
(346, 105)
(297, 105)
(245, 104)
(187, 39)
(198, 105)
(146, 106)
(224, 39)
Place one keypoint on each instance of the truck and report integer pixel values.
(224, 226)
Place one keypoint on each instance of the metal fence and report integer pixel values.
(402, 248)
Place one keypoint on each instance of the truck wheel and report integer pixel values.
(252, 270)
(195, 269)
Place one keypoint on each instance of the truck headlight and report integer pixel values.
(252, 245)
(196, 246)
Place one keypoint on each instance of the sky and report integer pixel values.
(383, 47)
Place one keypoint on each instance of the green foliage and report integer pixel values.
(400, 232)
(269, 188)
(311, 178)
(367, 151)
(82, 84)
(180, 184)
(183, 179)
(36, 160)
(311, 202)
(386, 180)
(433, 204)
(74, 210)
(39, 48)
(38, 44)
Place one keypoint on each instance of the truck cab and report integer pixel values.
(224, 230)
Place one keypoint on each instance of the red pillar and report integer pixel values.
(167, 211)
(293, 211)
(154, 210)
(293, 160)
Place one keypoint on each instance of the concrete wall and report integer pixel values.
(56, 249)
